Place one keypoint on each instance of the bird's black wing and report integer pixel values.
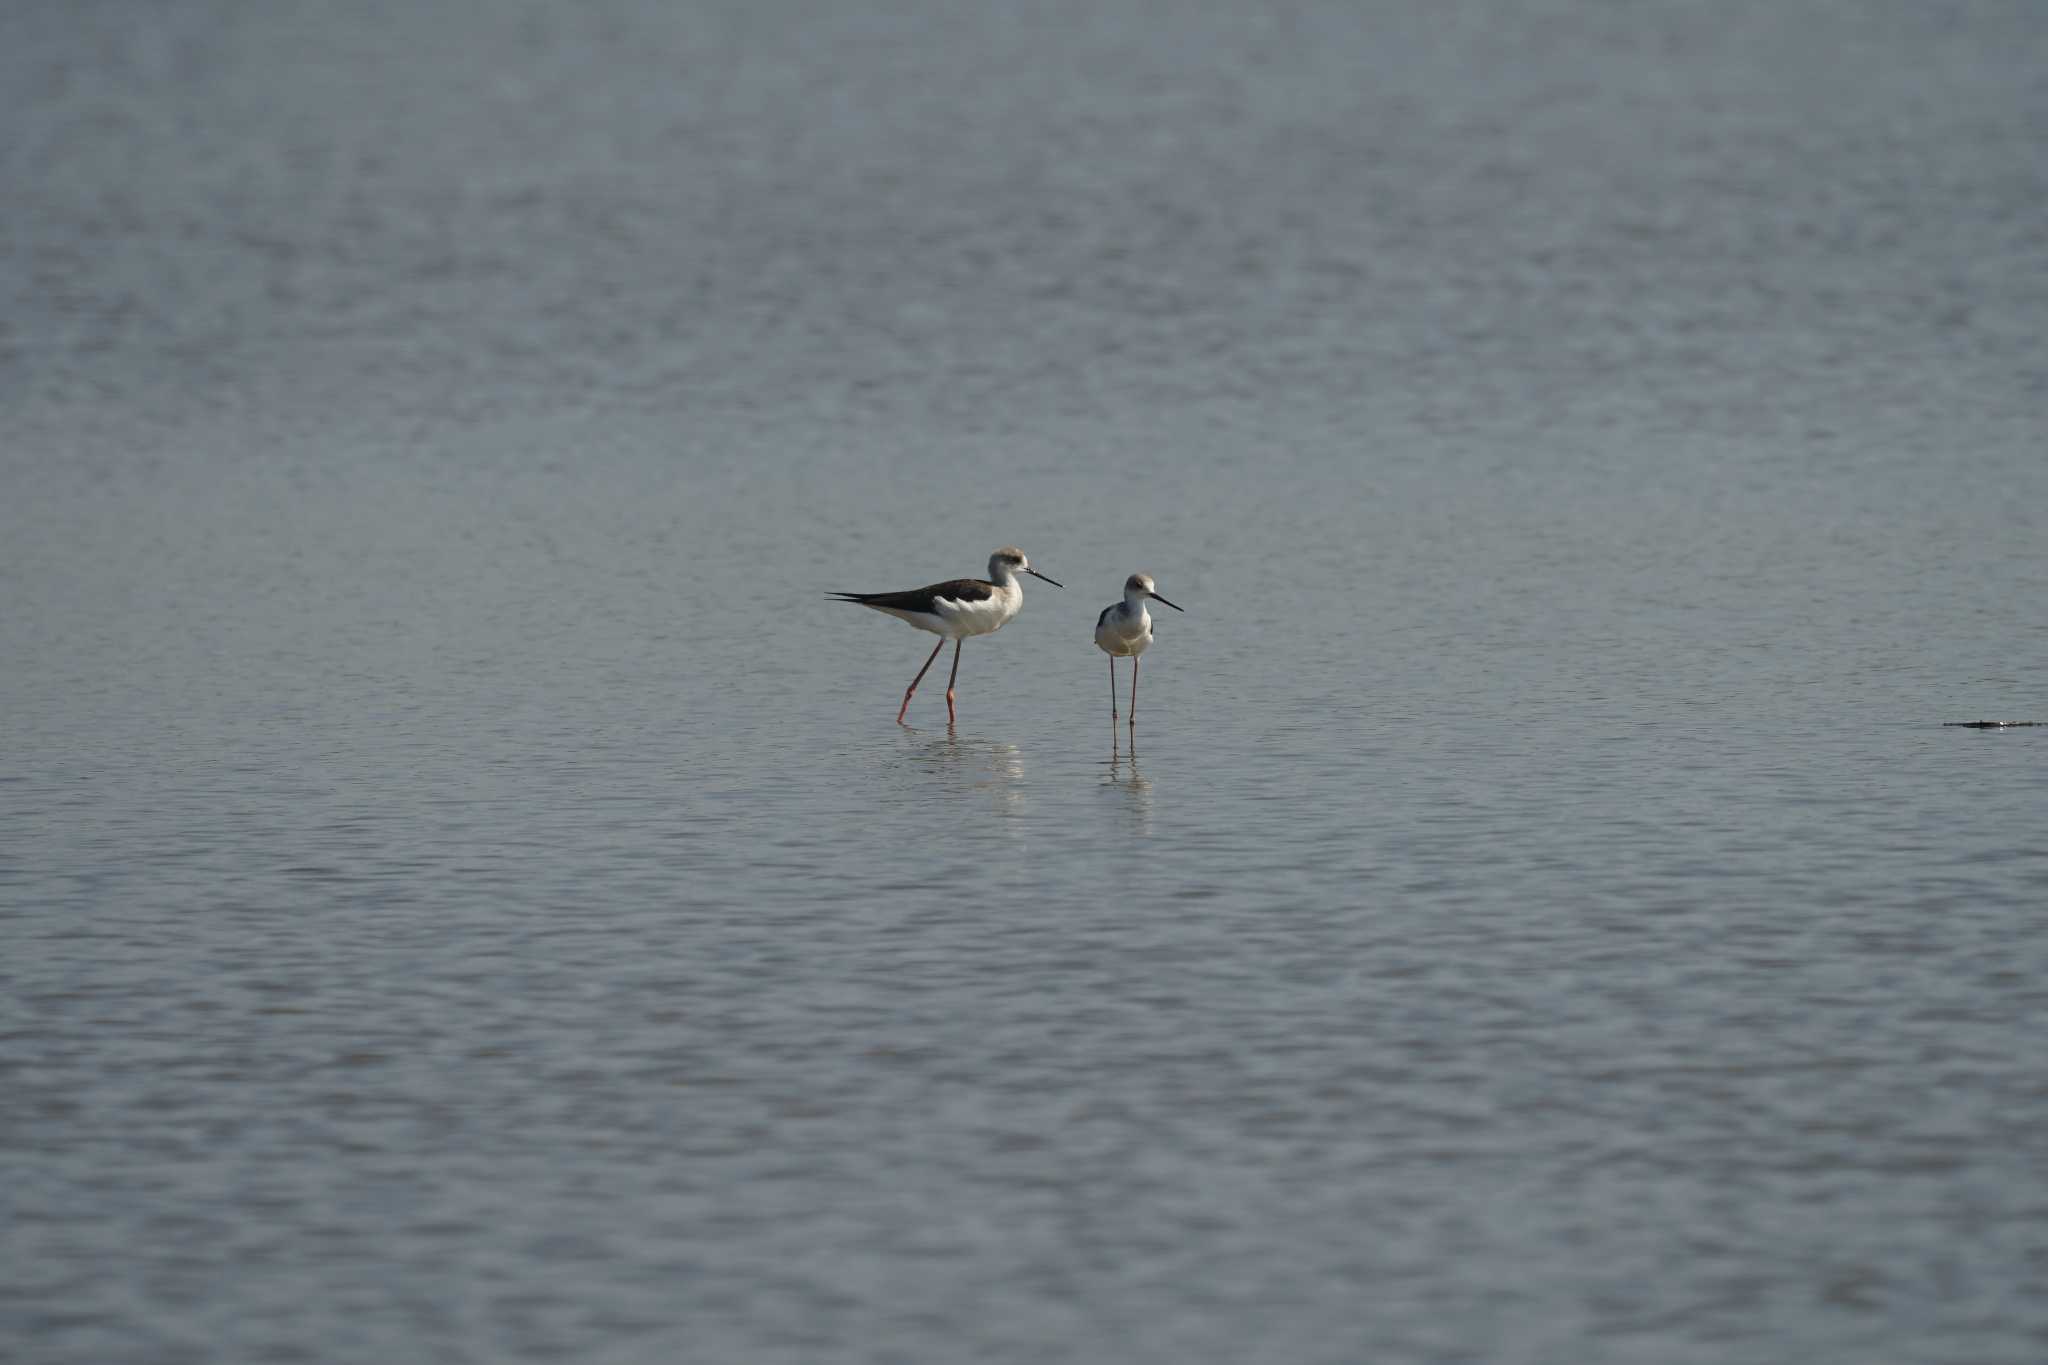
(1103, 619)
(924, 599)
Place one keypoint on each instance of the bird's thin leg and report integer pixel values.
(918, 679)
(1112, 687)
(949, 680)
(1134, 689)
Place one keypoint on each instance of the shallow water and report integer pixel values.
(461, 888)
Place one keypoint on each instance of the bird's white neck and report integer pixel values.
(1134, 601)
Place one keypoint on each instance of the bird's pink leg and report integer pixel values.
(1134, 689)
(1112, 687)
(918, 679)
(949, 681)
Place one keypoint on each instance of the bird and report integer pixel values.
(955, 610)
(1125, 629)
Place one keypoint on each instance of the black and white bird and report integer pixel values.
(955, 610)
(1124, 631)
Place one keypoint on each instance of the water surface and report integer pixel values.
(462, 892)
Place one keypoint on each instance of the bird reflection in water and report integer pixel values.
(1125, 778)
(984, 765)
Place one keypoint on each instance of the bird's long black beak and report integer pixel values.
(1157, 598)
(1054, 581)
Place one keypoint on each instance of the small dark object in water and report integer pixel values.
(1986, 724)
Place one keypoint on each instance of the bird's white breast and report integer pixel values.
(980, 618)
(1124, 633)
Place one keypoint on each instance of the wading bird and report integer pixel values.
(1124, 630)
(953, 611)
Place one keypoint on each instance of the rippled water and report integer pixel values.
(462, 893)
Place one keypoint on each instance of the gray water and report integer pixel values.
(463, 895)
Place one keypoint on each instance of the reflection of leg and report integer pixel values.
(951, 677)
(1112, 687)
(1134, 689)
(918, 679)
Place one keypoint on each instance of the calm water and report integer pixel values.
(462, 895)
